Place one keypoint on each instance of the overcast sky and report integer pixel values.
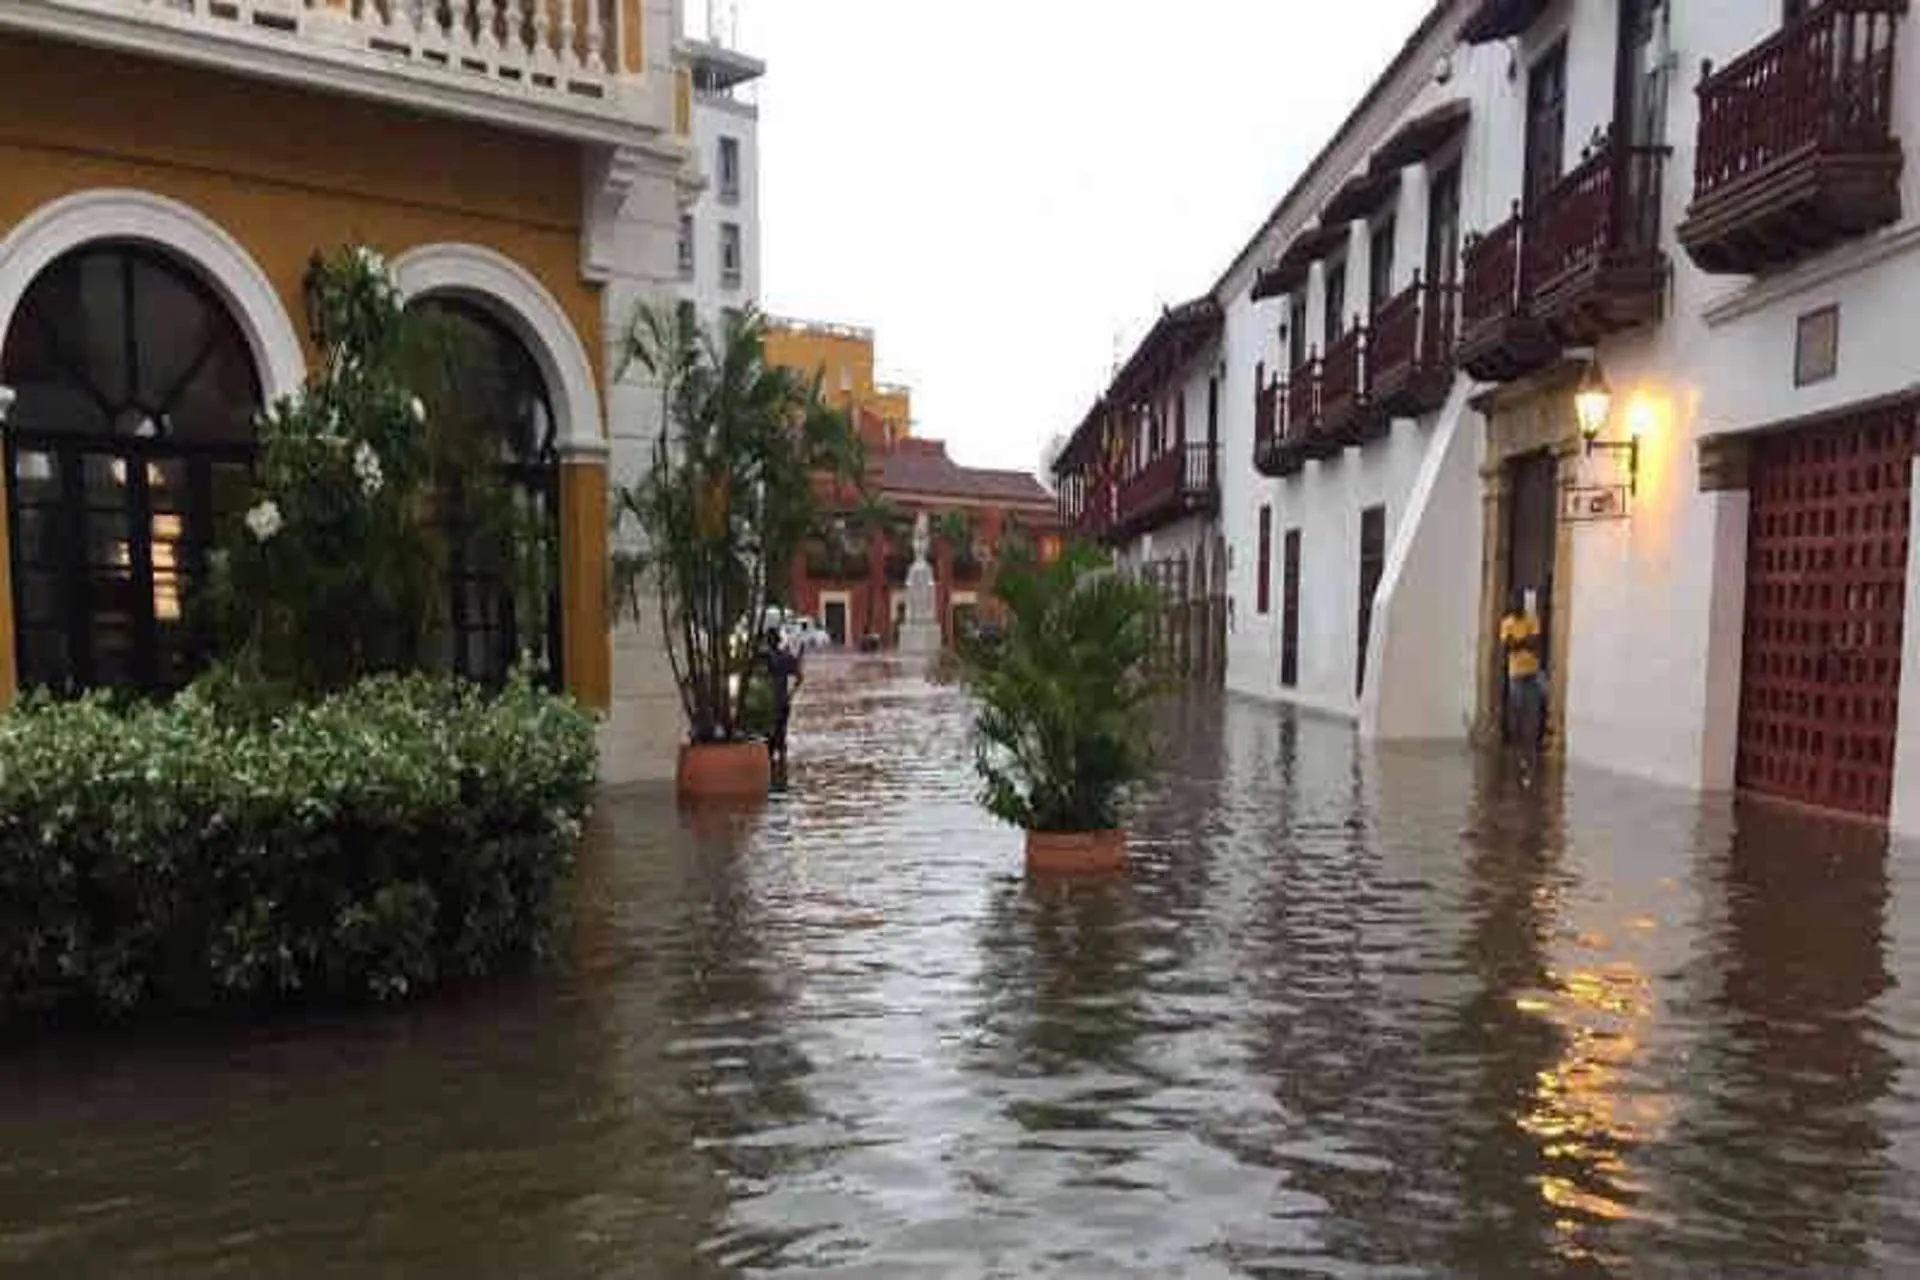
(1001, 188)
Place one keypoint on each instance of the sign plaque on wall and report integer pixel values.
(1816, 346)
(1584, 503)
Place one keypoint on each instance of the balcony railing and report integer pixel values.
(1343, 387)
(1302, 398)
(1796, 149)
(1181, 480)
(1410, 349)
(1585, 261)
(1270, 456)
(553, 64)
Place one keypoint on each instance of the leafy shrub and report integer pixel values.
(1061, 732)
(221, 851)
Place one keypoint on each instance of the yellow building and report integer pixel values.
(169, 172)
(842, 357)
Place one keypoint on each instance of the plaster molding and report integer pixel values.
(1759, 294)
(323, 60)
(183, 232)
(489, 279)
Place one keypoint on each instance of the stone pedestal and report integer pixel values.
(920, 631)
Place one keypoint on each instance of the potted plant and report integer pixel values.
(1061, 731)
(725, 505)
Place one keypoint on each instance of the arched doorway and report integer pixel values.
(495, 393)
(130, 440)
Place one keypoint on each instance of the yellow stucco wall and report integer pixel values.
(285, 171)
(845, 365)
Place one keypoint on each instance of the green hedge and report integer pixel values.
(211, 853)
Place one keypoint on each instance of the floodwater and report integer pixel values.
(1353, 1013)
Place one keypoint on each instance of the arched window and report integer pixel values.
(131, 437)
(495, 394)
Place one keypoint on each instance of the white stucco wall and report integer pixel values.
(715, 117)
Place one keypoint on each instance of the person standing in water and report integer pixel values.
(784, 677)
(1526, 695)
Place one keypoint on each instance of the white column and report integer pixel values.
(1410, 227)
(1905, 818)
(1726, 629)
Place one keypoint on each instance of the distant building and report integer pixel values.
(718, 249)
(853, 579)
(841, 356)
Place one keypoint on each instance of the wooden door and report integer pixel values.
(1825, 614)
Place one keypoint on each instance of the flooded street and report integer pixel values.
(1354, 1013)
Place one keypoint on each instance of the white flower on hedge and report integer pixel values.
(366, 465)
(418, 408)
(263, 521)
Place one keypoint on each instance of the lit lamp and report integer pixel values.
(7, 396)
(1592, 406)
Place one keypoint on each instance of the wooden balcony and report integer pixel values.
(1272, 456)
(1796, 150)
(1583, 263)
(1094, 517)
(1410, 353)
(1592, 259)
(1500, 337)
(548, 66)
(1182, 481)
(1343, 389)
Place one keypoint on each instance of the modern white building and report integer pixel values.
(719, 235)
(1697, 214)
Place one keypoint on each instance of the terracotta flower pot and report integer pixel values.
(723, 771)
(1076, 853)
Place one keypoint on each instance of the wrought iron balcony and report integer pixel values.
(1180, 482)
(1410, 352)
(1796, 151)
(549, 66)
(1584, 262)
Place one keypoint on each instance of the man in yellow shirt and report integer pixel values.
(1526, 696)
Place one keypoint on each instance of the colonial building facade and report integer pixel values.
(520, 166)
(1600, 303)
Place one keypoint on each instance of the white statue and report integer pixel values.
(922, 537)
(920, 629)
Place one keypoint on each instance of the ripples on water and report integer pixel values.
(1354, 1013)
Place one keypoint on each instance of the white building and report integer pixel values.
(719, 236)
(1727, 252)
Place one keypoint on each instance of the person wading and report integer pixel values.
(784, 677)
(1526, 695)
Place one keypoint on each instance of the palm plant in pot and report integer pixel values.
(729, 497)
(1061, 730)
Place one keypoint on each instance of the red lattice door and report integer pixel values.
(1826, 594)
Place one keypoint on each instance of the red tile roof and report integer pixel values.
(916, 466)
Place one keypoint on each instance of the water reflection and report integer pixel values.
(1355, 1011)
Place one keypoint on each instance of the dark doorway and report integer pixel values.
(131, 440)
(1373, 565)
(833, 616)
(1533, 511)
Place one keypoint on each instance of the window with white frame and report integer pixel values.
(730, 253)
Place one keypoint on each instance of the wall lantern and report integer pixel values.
(1593, 405)
(311, 298)
(6, 404)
